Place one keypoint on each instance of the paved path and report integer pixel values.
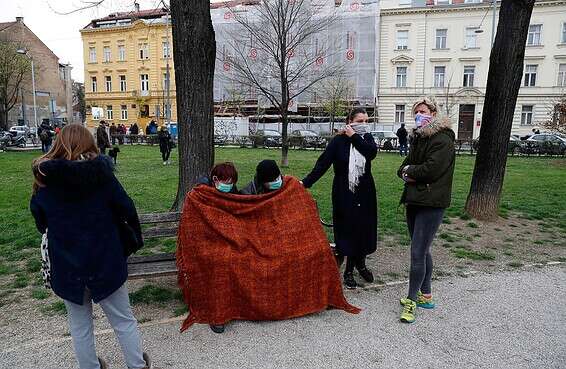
(503, 320)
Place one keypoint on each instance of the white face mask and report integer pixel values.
(360, 129)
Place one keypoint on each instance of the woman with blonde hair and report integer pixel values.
(78, 202)
(427, 172)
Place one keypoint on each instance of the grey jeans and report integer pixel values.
(117, 309)
(423, 222)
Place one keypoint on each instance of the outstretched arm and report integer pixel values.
(322, 164)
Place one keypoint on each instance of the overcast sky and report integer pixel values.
(61, 32)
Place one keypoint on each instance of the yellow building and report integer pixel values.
(126, 57)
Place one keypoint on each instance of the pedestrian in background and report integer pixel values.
(102, 140)
(45, 133)
(80, 205)
(354, 200)
(164, 144)
(427, 172)
(402, 135)
(113, 132)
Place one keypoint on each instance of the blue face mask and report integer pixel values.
(224, 187)
(275, 185)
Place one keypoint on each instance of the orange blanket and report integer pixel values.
(263, 257)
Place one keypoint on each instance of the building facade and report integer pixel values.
(53, 82)
(126, 57)
(443, 48)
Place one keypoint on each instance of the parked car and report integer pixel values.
(386, 140)
(11, 139)
(304, 138)
(267, 138)
(545, 144)
(20, 131)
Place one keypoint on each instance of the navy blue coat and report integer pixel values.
(354, 214)
(80, 205)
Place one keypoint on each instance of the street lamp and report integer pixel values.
(479, 30)
(24, 52)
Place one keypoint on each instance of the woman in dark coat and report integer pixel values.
(78, 203)
(354, 201)
(427, 172)
(164, 144)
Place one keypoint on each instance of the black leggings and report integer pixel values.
(355, 261)
(165, 155)
(423, 222)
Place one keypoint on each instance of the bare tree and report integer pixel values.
(336, 93)
(503, 83)
(557, 116)
(15, 69)
(279, 50)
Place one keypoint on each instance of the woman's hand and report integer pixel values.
(349, 131)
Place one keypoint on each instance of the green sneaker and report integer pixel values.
(409, 307)
(423, 302)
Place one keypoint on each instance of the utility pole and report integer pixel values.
(167, 75)
(493, 22)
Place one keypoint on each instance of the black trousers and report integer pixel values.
(165, 155)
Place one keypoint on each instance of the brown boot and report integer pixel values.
(102, 363)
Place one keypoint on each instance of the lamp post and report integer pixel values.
(494, 10)
(24, 52)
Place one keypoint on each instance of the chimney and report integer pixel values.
(137, 5)
(20, 19)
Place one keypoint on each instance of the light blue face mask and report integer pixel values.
(275, 185)
(224, 187)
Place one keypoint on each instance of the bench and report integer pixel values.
(160, 225)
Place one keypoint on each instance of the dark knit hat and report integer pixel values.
(267, 171)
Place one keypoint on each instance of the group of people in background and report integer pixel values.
(77, 204)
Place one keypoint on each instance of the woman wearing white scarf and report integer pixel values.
(354, 202)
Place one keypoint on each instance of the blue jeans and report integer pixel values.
(117, 309)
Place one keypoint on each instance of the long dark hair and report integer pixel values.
(355, 111)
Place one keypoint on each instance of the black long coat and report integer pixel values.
(354, 214)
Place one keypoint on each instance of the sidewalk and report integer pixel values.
(502, 320)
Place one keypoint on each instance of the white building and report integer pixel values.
(443, 50)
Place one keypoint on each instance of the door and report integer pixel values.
(466, 121)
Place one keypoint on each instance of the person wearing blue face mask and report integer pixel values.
(354, 200)
(223, 177)
(268, 178)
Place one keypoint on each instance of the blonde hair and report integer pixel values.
(429, 101)
(74, 142)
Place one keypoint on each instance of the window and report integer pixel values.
(122, 83)
(402, 40)
(167, 111)
(166, 50)
(92, 54)
(93, 81)
(399, 113)
(108, 80)
(121, 52)
(443, 2)
(144, 78)
(401, 77)
(527, 115)
(534, 34)
(124, 112)
(439, 73)
(469, 74)
(144, 51)
(471, 38)
(562, 75)
(350, 40)
(165, 82)
(106, 54)
(109, 113)
(563, 37)
(530, 75)
(441, 35)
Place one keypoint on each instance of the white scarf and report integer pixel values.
(356, 168)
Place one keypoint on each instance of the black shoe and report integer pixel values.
(339, 259)
(349, 281)
(217, 328)
(366, 274)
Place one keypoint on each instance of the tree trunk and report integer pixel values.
(284, 139)
(194, 53)
(503, 83)
(3, 120)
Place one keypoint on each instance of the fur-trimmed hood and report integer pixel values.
(437, 125)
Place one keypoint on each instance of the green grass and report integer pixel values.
(153, 294)
(533, 187)
(40, 293)
(56, 308)
(463, 253)
(515, 264)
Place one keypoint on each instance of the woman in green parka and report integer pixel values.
(427, 172)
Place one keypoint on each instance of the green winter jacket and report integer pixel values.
(431, 164)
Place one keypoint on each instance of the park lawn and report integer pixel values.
(534, 189)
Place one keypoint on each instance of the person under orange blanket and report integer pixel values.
(255, 257)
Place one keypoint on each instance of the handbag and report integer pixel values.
(45, 262)
(128, 238)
